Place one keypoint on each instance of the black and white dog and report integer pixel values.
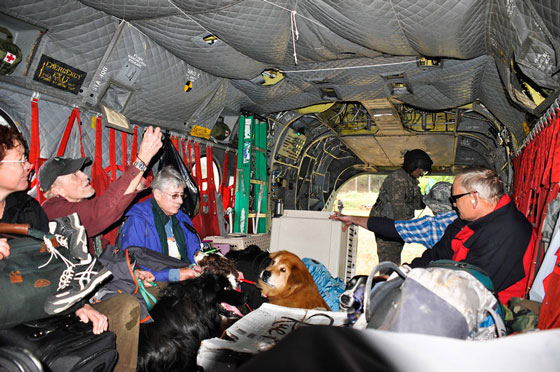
(186, 313)
(352, 299)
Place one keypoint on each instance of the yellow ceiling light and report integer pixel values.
(210, 39)
(430, 62)
(271, 77)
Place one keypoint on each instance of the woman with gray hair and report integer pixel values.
(160, 225)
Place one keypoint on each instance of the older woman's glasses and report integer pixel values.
(15, 161)
(174, 196)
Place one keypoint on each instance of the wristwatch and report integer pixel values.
(140, 165)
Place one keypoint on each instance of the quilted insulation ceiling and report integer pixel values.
(139, 55)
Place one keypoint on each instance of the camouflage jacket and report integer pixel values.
(398, 197)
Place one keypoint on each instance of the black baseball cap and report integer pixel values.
(58, 166)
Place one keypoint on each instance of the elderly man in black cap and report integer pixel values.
(68, 189)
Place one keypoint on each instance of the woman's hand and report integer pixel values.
(189, 273)
(145, 276)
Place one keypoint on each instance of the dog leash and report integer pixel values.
(239, 289)
(147, 296)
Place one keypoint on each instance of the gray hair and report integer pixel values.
(484, 181)
(168, 176)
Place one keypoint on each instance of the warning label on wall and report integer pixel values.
(59, 75)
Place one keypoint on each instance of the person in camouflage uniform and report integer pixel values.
(398, 197)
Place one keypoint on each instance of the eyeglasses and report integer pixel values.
(425, 173)
(453, 198)
(14, 161)
(174, 196)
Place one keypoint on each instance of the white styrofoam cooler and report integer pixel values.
(311, 234)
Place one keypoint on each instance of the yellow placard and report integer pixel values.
(201, 132)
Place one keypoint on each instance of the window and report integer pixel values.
(203, 168)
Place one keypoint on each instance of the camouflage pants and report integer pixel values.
(388, 250)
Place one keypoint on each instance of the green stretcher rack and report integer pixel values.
(251, 197)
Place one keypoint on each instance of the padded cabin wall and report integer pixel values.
(124, 68)
(53, 117)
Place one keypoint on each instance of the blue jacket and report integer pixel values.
(140, 230)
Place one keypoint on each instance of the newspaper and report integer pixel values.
(258, 331)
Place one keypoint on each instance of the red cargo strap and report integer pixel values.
(198, 176)
(223, 184)
(75, 115)
(175, 142)
(555, 161)
(124, 148)
(134, 150)
(184, 152)
(99, 178)
(210, 185)
(112, 155)
(189, 155)
(35, 145)
(197, 221)
(35, 148)
(206, 221)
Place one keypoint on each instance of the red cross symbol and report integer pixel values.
(10, 58)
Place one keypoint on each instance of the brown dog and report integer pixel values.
(287, 282)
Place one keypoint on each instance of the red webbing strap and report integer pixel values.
(536, 163)
(555, 161)
(549, 132)
(210, 185)
(223, 189)
(35, 147)
(75, 115)
(134, 150)
(124, 148)
(112, 155)
(518, 185)
(184, 152)
(198, 220)
(198, 176)
(212, 223)
(189, 155)
(526, 194)
(223, 184)
(175, 142)
(98, 158)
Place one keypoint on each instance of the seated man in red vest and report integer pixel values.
(490, 233)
